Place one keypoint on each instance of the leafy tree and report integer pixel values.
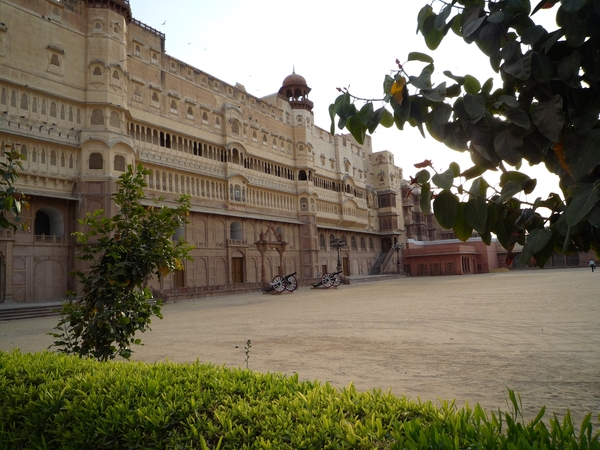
(124, 251)
(546, 111)
(12, 201)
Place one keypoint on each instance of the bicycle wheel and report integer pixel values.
(337, 280)
(327, 280)
(292, 283)
(278, 284)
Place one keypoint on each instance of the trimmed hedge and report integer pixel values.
(51, 401)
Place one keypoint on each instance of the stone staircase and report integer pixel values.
(15, 311)
(375, 270)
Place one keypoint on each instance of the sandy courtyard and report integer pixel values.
(467, 338)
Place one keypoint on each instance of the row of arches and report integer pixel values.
(23, 102)
(202, 149)
(337, 186)
(269, 168)
(353, 244)
(167, 140)
(31, 155)
(182, 184)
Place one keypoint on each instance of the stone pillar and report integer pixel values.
(8, 260)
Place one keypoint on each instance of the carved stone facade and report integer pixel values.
(85, 90)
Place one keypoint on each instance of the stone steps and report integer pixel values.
(18, 311)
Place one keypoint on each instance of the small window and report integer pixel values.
(97, 117)
(97, 71)
(52, 158)
(137, 93)
(115, 119)
(54, 60)
(235, 127)
(119, 163)
(115, 75)
(235, 231)
(137, 50)
(53, 112)
(24, 102)
(96, 161)
(155, 97)
(190, 112)
(154, 58)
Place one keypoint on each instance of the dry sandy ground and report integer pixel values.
(467, 338)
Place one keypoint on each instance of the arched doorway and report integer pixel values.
(237, 267)
(49, 221)
(386, 244)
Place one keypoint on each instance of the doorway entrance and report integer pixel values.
(386, 245)
(237, 270)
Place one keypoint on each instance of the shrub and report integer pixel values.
(60, 401)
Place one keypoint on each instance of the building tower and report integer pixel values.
(294, 90)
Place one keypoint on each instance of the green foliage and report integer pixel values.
(55, 401)
(12, 201)
(124, 251)
(545, 112)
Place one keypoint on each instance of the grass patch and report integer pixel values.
(52, 401)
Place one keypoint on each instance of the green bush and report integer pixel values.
(58, 401)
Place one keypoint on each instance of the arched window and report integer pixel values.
(371, 247)
(53, 112)
(302, 175)
(119, 163)
(179, 233)
(362, 243)
(96, 161)
(303, 204)
(235, 231)
(52, 158)
(24, 102)
(237, 193)
(322, 241)
(97, 117)
(353, 242)
(97, 71)
(49, 221)
(24, 152)
(115, 75)
(115, 119)
(235, 127)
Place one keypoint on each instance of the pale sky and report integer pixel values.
(331, 44)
